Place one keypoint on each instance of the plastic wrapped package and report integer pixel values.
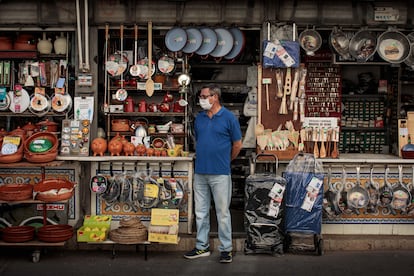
(263, 216)
(304, 199)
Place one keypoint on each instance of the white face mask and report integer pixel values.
(205, 104)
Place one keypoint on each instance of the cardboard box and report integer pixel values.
(95, 228)
(164, 226)
(92, 234)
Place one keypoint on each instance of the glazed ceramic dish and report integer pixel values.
(166, 64)
(39, 104)
(393, 46)
(175, 39)
(19, 104)
(61, 103)
(194, 40)
(209, 41)
(225, 42)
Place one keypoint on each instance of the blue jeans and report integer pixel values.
(220, 187)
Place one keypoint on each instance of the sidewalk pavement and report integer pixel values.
(62, 262)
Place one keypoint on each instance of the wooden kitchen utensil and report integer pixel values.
(322, 150)
(315, 134)
(279, 85)
(266, 82)
(259, 126)
(294, 89)
(149, 85)
(335, 139)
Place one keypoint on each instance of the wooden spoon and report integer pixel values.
(322, 150)
(315, 145)
(259, 126)
(149, 85)
(335, 136)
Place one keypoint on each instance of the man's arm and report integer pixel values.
(235, 150)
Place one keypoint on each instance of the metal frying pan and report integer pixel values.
(393, 46)
(363, 45)
(401, 196)
(339, 41)
(194, 40)
(373, 191)
(209, 41)
(333, 196)
(225, 42)
(357, 196)
(310, 41)
(175, 39)
(238, 43)
(385, 193)
(410, 59)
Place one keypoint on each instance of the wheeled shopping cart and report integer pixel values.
(303, 204)
(263, 209)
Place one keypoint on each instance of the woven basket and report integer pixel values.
(51, 190)
(131, 231)
(15, 192)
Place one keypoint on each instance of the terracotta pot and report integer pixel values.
(19, 132)
(47, 125)
(29, 128)
(99, 146)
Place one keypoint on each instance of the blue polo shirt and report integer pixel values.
(214, 138)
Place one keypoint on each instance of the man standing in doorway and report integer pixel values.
(218, 142)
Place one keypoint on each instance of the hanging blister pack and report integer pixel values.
(312, 191)
(276, 195)
(278, 53)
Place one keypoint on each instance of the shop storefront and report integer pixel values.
(343, 93)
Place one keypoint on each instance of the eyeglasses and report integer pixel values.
(205, 96)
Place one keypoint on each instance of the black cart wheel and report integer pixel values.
(36, 256)
(320, 249)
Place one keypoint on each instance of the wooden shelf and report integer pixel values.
(150, 114)
(30, 201)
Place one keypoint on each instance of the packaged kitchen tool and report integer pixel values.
(278, 53)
